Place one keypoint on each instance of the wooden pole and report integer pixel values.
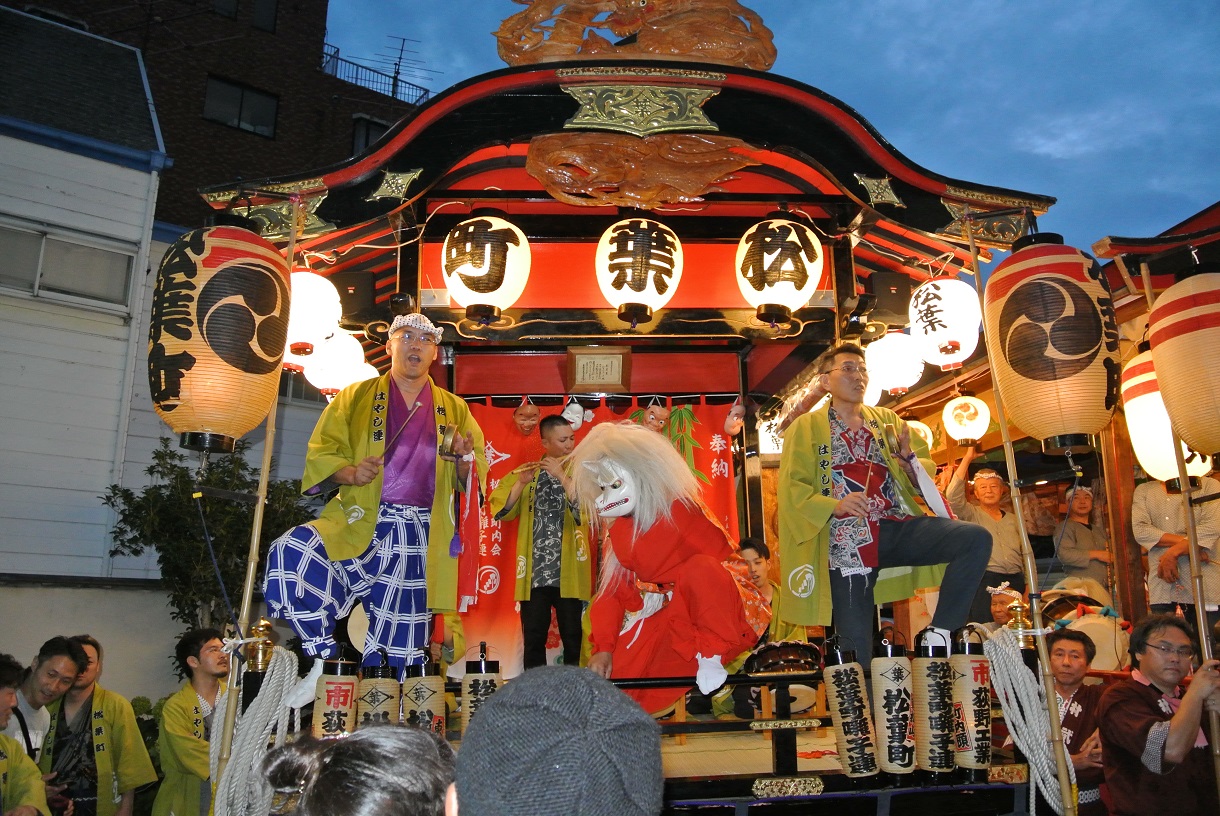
(1066, 792)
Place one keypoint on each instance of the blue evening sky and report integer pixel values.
(1112, 106)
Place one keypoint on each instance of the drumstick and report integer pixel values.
(403, 426)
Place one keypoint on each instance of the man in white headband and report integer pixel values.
(1007, 562)
(1082, 548)
(387, 538)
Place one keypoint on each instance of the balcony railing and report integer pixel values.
(374, 80)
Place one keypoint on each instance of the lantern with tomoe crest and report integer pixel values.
(216, 340)
(1054, 340)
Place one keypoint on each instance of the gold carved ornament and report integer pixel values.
(640, 110)
(600, 169)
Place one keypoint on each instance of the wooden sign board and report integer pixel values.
(598, 370)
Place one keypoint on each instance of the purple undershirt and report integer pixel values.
(410, 456)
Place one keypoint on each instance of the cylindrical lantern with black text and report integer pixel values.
(1053, 338)
(219, 324)
(932, 690)
(892, 694)
(780, 264)
(334, 702)
(486, 262)
(850, 715)
(1149, 427)
(378, 700)
(481, 680)
(1184, 327)
(638, 265)
(944, 317)
(423, 697)
(971, 704)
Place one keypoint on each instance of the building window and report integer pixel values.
(225, 8)
(298, 389)
(240, 107)
(263, 15)
(365, 131)
(63, 266)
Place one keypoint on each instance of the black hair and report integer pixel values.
(757, 545)
(60, 646)
(191, 644)
(88, 640)
(827, 358)
(1090, 648)
(1149, 626)
(11, 672)
(552, 421)
(382, 770)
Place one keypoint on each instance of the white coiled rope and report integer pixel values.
(1025, 711)
(242, 790)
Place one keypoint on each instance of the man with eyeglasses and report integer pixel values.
(1155, 753)
(848, 513)
(388, 537)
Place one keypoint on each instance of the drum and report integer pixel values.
(1107, 635)
(1058, 603)
(788, 657)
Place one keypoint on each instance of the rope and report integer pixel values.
(242, 790)
(1025, 710)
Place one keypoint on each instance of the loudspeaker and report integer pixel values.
(357, 293)
(893, 291)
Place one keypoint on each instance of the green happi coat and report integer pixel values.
(575, 565)
(184, 754)
(806, 504)
(20, 781)
(353, 427)
(118, 749)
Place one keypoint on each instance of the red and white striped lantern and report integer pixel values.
(1149, 427)
(1184, 328)
(1053, 338)
(216, 340)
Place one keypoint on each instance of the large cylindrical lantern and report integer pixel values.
(966, 419)
(780, 264)
(1184, 328)
(1053, 339)
(219, 324)
(932, 691)
(486, 262)
(315, 314)
(892, 694)
(639, 266)
(336, 363)
(423, 697)
(971, 704)
(944, 317)
(894, 362)
(1149, 427)
(850, 716)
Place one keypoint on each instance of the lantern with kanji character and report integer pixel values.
(945, 316)
(1149, 426)
(1054, 342)
(932, 691)
(423, 698)
(481, 680)
(486, 263)
(891, 669)
(378, 696)
(971, 671)
(850, 717)
(1183, 327)
(639, 266)
(216, 340)
(894, 362)
(334, 701)
(315, 314)
(780, 264)
(966, 419)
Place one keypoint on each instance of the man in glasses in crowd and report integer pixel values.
(387, 538)
(1154, 751)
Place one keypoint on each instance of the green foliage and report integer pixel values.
(164, 517)
(680, 429)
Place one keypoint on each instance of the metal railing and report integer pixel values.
(374, 80)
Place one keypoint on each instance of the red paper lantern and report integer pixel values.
(219, 325)
(1184, 328)
(1053, 336)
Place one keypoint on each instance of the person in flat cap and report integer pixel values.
(558, 741)
(387, 536)
(1007, 562)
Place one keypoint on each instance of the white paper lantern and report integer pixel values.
(923, 431)
(315, 315)
(639, 266)
(485, 263)
(1148, 424)
(335, 363)
(894, 362)
(780, 264)
(945, 318)
(966, 419)
(1184, 329)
